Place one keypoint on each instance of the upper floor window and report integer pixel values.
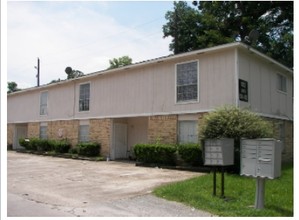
(84, 97)
(281, 83)
(187, 82)
(43, 103)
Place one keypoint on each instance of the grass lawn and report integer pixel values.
(239, 193)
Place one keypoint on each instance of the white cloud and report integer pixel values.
(71, 35)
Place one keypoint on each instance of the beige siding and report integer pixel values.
(217, 80)
(23, 107)
(138, 91)
(264, 97)
(137, 131)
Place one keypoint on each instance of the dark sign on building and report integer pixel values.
(243, 90)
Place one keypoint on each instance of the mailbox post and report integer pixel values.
(219, 153)
(261, 159)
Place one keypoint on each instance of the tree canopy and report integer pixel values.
(12, 87)
(120, 62)
(71, 74)
(211, 23)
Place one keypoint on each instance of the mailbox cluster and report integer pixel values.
(219, 152)
(261, 158)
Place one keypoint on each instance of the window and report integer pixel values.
(84, 97)
(187, 82)
(43, 103)
(43, 132)
(188, 132)
(84, 133)
(281, 83)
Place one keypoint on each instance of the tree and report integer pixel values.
(120, 62)
(12, 87)
(220, 22)
(71, 74)
(183, 26)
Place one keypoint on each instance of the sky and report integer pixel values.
(82, 35)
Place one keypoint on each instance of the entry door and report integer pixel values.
(21, 132)
(120, 141)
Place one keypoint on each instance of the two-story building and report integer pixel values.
(161, 99)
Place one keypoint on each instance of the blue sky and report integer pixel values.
(83, 35)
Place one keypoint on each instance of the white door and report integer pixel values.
(21, 132)
(120, 141)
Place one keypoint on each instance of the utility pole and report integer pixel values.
(37, 76)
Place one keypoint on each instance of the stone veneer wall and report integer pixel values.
(100, 131)
(10, 133)
(288, 151)
(200, 123)
(162, 129)
(33, 130)
(62, 129)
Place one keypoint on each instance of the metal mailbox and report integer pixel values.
(219, 152)
(261, 158)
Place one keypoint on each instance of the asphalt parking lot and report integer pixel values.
(48, 186)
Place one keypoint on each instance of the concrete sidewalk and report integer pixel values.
(48, 186)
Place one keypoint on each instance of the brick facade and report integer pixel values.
(200, 123)
(64, 130)
(283, 130)
(162, 129)
(10, 133)
(33, 129)
(100, 131)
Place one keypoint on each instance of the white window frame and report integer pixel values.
(281, 83)
(81, 109)
(176, 86)
(43, 105)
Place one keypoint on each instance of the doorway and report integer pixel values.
(20, 132)
(120, 141)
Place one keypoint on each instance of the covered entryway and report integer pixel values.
(20, 132)
(126, 133)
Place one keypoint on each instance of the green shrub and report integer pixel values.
(191, 153)
(43, 145)
(29, 144)
(24, 143)
(236, 123)
(34, 143)
(88, 149)
(73, 150)
(62, 146)
(232, 122)
(155, 153)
